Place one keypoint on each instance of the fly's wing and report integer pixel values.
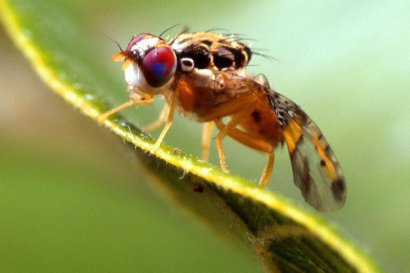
(316, 170)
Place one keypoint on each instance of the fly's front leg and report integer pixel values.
(128, 104)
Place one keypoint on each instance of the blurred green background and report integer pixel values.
(73, 197)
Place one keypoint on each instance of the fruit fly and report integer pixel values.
(203, 75)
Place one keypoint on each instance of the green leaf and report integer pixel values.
(63, 50)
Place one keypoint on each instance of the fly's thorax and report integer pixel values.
(206, 78)
(204, 50)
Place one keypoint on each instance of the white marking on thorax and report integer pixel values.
(179, 47)
(207, 78)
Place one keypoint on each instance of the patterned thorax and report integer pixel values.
(204, 50)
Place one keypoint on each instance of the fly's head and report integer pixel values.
(149, 63)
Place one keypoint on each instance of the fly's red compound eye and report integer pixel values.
(158, 65)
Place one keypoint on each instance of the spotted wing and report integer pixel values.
(316, 170)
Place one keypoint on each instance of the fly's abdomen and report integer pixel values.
(262, 123)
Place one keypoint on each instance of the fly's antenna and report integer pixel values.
(185, 29)
(111, 39)
(168, 29)
(267, 57)
(114, 41)
(122, 51)
(217, 30)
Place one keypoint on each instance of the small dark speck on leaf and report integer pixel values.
(196, 187)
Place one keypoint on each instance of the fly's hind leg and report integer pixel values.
(267, 171)
(238, 108)
(206, 139)
(235, 120)
(256, 143)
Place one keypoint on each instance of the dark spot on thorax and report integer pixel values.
(198, 53)
(223, 57)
